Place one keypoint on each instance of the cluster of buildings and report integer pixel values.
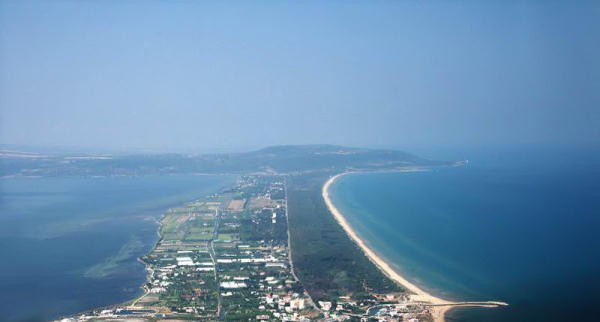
(226, 257)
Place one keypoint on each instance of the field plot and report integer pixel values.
(261, 202)
(230, 237)
(236, 205)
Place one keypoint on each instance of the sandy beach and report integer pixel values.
(438, 306)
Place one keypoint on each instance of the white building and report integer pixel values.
(233, 285)
(325, 305)
(185, 261)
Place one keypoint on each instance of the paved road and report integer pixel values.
(211, 251)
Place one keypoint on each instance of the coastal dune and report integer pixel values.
(438, 306)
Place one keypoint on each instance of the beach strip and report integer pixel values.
(438, 306)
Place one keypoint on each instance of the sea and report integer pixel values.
(517, 224)
(71, 244)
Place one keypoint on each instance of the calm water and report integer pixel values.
(71, 244)
(522, 228)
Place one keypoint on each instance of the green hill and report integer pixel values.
(279, 159)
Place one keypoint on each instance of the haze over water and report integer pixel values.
(71, 244)
(120, 77)
(517, 226)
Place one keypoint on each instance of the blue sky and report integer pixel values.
(179, 75)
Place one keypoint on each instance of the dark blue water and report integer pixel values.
(71, 244)
(519, 226)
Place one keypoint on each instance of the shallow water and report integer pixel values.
(71, 244)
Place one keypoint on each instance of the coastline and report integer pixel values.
(149, 272)
(159, 214)
(438, 306)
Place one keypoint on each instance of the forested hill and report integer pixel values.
(276, 159)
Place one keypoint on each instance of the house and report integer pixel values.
(325, 305)
(233, 285)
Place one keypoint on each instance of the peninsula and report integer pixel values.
(272, 247)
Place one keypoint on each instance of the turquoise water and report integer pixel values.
(523, 229)
(71, 244)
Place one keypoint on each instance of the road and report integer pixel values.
(211, 251)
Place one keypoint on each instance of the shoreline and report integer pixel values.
(161, 212)
(149, 271)
(438, 306)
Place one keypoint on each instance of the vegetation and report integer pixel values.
(277, 158)
(327, 262)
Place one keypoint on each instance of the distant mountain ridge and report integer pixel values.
(275, 159)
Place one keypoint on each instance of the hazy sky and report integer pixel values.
(199, 75)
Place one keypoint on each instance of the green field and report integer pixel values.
(228, 237)
(198, 236)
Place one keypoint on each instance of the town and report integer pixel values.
(227, 256)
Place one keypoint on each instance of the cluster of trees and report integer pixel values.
(326, 260)
(260, 227)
